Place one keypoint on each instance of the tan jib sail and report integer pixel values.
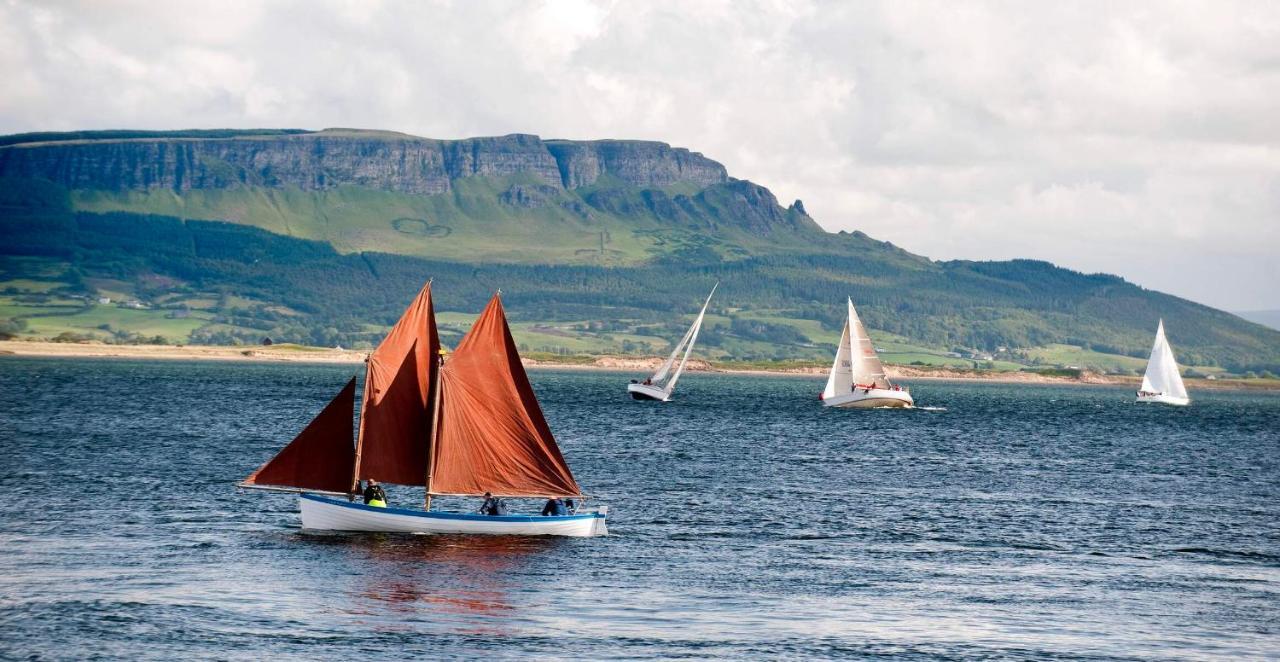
(492, 436)
(321, 457)
(395, 417)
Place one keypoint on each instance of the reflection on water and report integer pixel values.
(460, 579)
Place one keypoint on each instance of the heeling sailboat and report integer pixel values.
(1161, 382)
(662, 383)
(460, 427)
(857, 378)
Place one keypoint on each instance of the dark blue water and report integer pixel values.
(747, 521)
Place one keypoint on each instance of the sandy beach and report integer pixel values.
(301, 354)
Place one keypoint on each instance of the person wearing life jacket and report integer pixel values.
(374, 495)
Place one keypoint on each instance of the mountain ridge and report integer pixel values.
(586, 229)
(331, 157)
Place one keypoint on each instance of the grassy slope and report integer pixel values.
(470, 225)
(466, 224)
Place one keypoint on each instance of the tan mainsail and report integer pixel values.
(320, 457)
(493, 437)
(395, 417)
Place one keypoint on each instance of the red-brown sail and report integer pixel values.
(321, 456)
(492, 435)
(395, 419)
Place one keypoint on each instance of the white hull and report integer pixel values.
(323, 514)
(870, 399)
(1163, 399)
(644, 392)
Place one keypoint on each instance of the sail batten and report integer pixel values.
(493, 436)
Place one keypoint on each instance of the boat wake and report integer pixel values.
(930, 408)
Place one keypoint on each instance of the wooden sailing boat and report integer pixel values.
(660, 384)
(1161, 382)
(857, 378)
(461, 427)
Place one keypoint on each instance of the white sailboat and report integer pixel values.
(660, 384)
(857, 378)
(1161, 382)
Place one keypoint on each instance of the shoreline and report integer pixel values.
(287, 353)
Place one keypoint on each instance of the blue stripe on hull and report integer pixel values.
(454, 516)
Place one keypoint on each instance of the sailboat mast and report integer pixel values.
(355, 470)
(435, 429)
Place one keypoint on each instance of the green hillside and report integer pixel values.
(599, 247)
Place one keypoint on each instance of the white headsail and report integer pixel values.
(1162, 374)
(686, 344)
(841, 378)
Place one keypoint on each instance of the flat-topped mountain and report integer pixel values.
(322, 160)
(319, 237)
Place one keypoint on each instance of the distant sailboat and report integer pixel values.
(1161, 382)
(464, 427)
(857, 378)
(660, 384)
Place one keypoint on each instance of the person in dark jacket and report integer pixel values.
(374, 495)
(554, 507)
(492, 505)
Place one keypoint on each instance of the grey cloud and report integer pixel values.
(1135, 139)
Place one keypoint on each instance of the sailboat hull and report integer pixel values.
(644, 392)
(324, 514)
(870, 399)
(1161, 398)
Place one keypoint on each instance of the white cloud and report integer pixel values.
(1135, 139)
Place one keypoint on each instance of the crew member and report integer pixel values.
(374, 495)
(554, 507)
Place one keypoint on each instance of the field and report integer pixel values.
(48, 315)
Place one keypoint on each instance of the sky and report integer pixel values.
(1134, 138)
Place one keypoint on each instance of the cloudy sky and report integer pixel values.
(1141, 139)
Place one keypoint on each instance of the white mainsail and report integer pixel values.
(867, 369)
(856, 360)
(686, 344)
(1162, 374)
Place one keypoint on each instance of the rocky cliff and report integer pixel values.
(330, 158)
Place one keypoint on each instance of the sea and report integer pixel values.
(995, 521)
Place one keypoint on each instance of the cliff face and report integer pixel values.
(639, 163)
(322, 160)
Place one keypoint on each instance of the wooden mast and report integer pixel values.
(355, 471)
(435, 429)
